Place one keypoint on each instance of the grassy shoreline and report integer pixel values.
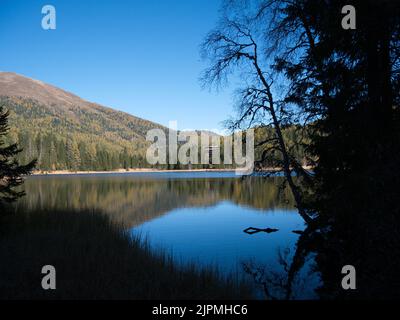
(96, 259)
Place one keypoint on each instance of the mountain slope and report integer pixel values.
(64, 131)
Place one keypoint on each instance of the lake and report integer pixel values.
(197, 217)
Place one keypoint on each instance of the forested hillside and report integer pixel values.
(65, 132)
(87, 142)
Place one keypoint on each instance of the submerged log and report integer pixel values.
(298, 231)
(252, 230)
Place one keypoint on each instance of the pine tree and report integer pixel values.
(11, 172)
(73, 155)
(53, 156)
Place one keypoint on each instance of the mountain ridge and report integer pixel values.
(66, 132)
(44, 117)
(16, 85)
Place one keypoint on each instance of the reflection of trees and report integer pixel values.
(135, 200)
(289, 281)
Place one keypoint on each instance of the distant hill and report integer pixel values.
(64, 131)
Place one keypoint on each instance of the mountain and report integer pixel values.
(64, 131)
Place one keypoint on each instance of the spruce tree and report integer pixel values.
(73, 155)
(11, 172)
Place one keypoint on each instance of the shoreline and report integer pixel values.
(144, 170)
(119, 171)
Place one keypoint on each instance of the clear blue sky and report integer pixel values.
(141, 57)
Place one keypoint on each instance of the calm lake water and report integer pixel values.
(196, 217)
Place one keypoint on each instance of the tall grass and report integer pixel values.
(96, 259)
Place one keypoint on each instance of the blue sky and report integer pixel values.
(141, 57)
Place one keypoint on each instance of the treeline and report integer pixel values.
(54, 153)
(76, 139)
(296, 138)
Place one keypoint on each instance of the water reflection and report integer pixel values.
(135, 198)
(197, 218)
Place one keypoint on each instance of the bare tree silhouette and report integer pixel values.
(233, 46)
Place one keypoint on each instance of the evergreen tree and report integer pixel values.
(73, 155)
(61, 155)
(11, 172)
(347, 83)
(52, 156)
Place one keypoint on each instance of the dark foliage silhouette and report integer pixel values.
(11, 171)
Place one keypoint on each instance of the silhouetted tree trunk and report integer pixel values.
(232, 46)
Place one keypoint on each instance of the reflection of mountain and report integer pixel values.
(133, 201)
